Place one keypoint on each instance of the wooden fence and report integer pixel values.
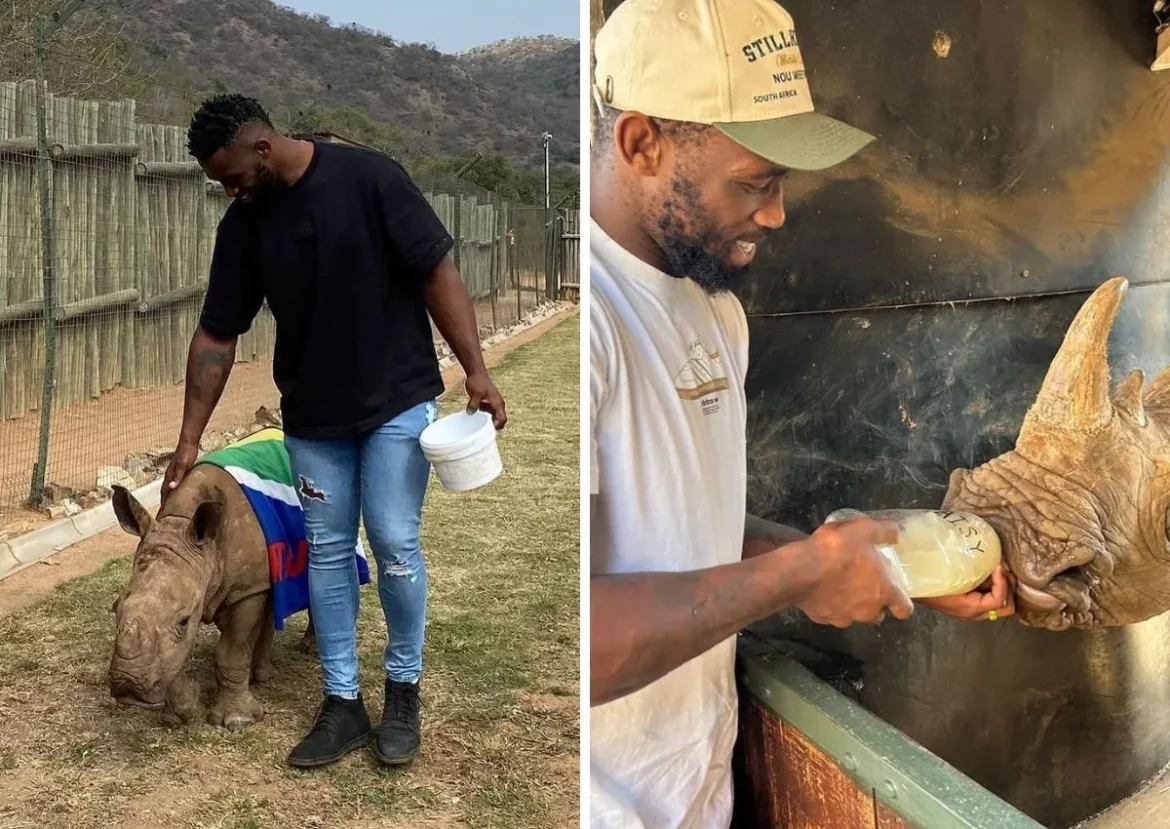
(570, 270)
(133, 220)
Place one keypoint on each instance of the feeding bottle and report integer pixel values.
(938, 553)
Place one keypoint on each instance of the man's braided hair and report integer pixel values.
(218, 122)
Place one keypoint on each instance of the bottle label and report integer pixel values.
(966, 529)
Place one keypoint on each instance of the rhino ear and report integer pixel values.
(206, 523)
(131, 515)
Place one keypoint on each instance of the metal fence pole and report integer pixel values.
(514, 261)
(48, 279)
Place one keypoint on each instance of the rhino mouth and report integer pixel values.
(138, 702)
(1038, 601)
(126, 692)
(1062, 603)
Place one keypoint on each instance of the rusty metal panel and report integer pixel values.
(783, 781)
(786, 782)
(887, 818)
(761, 796)
(820, 794)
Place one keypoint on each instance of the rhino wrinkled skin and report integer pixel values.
(1081, 503)
(202, 561)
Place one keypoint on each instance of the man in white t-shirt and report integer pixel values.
(702, 109)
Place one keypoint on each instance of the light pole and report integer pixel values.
(546, 137)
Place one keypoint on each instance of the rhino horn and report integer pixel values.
(1127, 397)
(1075, 394)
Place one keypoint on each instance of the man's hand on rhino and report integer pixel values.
(180, 465)
(854, 584)
(995, 596)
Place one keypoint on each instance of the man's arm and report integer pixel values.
(209, 363)
(644, 625)
(454, 315)
(450, 306)
(234, 296)
(763, 536)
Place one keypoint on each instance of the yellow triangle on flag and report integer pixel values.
(263, 434)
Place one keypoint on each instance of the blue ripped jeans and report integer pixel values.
(381, 477)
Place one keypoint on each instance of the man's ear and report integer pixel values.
(639, 143)
(262, 146)
(132, 516)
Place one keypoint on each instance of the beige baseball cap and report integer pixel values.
(733, 64)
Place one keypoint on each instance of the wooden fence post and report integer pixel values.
(493, 266)
(48, 281)
(457, 255)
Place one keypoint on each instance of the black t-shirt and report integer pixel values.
(341, 257)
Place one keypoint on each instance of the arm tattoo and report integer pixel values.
(210, 364)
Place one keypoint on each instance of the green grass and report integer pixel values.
(500, 685)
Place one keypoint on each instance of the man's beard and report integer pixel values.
(691, 247)
(267, 182)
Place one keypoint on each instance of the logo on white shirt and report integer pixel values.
(702, 377)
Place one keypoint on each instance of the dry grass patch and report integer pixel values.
(500, 689)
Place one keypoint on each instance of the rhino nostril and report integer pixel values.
(1040, 573)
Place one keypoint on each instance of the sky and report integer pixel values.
(452, 25)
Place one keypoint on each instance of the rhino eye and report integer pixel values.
(183, 624)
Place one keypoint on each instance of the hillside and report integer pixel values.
(495, 100)
(545, 70)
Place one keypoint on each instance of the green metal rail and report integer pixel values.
(902, 774)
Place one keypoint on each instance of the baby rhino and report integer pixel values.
(203, 560)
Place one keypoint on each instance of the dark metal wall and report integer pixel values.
(901, 324)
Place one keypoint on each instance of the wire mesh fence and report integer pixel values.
(107, 228)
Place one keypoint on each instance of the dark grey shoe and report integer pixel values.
(342, 725)
(397, 739)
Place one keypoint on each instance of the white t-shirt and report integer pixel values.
(668, 469)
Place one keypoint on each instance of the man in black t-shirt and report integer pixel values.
(351, 260)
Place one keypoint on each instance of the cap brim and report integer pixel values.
(808, 141)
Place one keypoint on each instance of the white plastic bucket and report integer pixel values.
(462, 448)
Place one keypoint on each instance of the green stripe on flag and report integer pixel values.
(265, 458)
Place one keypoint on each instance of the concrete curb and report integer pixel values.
(26, 550)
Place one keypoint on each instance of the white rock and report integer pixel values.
(109, 475)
